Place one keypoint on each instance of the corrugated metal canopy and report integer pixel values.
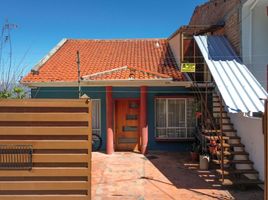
(240, 90)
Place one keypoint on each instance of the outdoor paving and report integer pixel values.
(159, 175)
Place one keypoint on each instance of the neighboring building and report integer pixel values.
(137, 88)
(254, 42)
(246, 27)
(217, 12)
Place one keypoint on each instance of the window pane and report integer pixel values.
(174, 119)
(160, 113)
(96, 114)
(161, 133)
(176, 113)
(96, 131)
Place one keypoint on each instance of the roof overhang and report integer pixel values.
(117, 83)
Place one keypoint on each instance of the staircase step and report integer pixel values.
(231, 124)
(229, 130)
(234, 137)
(238, 171)
(218, 106)
(225, 145)
(229, 153)
(216, 111)
(228, 182)
(233, 161)
(216, 137)
(224, 131)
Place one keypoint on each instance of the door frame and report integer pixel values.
(114, 121)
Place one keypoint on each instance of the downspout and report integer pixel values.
(251, 30)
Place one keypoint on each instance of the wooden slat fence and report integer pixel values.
(59, 134)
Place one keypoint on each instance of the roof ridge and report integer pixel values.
(115, 40)
(105, 72)
(150, 72)
(110, 71)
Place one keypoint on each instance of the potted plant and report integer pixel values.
(195, 151)
(213, 147)
(198, 112)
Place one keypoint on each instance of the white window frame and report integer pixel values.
(99, 129)
(167, 113)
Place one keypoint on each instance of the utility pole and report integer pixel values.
(78, 73)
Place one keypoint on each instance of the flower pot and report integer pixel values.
(213, 150)
(198, 114)
(203, 162)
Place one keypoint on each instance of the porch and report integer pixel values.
(159, 175)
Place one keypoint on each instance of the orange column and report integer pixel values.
(109, 121)
(143, 119)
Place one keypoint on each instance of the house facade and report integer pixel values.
(141, 100)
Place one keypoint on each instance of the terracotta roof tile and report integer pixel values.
(149, 58)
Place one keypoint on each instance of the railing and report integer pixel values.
(16, 157)
(207, 120)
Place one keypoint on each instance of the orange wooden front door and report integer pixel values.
(127, 125)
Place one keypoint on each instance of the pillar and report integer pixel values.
(143, 119)
(109, 121)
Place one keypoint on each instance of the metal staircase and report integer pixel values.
(237, 167)
(230, 159)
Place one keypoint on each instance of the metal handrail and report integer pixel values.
(212, 125)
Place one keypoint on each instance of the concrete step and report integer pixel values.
(229, 182)
(218, 131)
(225, 145)
(237, 171)
(233, 153)
(216, 137)
(226, 161)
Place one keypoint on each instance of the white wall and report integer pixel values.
(254, 39)
(174, 44)
(250, 131)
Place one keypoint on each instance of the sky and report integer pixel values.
(43, 23)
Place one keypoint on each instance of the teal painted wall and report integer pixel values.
(72, 93)
(122, 92)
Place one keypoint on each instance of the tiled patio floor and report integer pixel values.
(126, 175)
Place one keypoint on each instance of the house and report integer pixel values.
(141, 100)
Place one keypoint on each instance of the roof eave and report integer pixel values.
(48, 56)
(94, 83)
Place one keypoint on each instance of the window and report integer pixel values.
(96, 116)
(174, 118)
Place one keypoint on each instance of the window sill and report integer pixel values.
(191, 139)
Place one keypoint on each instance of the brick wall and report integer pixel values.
(216, 11)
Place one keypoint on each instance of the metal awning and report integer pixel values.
(240, 90)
